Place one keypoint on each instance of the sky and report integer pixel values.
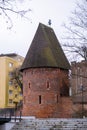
(18, 39)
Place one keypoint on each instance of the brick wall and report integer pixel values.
(44, 90)
(79, 79)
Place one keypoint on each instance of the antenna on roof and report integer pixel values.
(49, 22)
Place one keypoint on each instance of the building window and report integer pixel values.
(29, 85)
(20, 93)
(39, 99)
(10, 64)
(10, 100)
(48, 84)
(16, 95)
(21, 102)
(10, 82)
(16, 86)
(10, 92)
(11, 74)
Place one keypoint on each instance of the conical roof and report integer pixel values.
(45, 51)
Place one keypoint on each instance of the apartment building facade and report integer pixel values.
(10, 91)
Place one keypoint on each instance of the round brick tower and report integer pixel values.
(45, 77)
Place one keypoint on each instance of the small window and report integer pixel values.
(16, 86)
(10, 74)
(20, 93)
(10, 82)
(10, 100)
(16, 95)
(10, 64)
(29, 85)
(48, 84)
(10, 91)
(21, 102)
(39, 99)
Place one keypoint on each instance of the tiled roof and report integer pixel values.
(45, 51)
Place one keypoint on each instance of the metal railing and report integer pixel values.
(10, 115)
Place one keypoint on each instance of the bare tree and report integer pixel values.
(10, 7)
(75, 41)
(17, 78)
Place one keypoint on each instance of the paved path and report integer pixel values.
(51, 124)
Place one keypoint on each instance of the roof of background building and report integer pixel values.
(45, 51)
(9, 54)
(14, 56)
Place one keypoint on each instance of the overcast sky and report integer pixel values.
(18, 39)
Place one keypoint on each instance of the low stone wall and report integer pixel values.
(51, 124)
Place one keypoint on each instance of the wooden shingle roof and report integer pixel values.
(45, 51)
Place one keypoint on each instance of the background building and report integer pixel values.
(79, 88)
(79, 81)
(10, 91)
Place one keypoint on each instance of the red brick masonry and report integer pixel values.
(45, 93)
